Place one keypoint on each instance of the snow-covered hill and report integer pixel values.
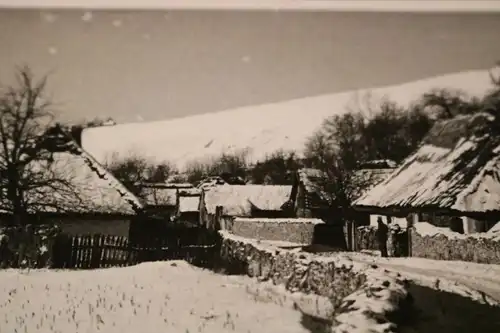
(260, 129)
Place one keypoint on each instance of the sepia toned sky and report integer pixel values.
(150, 65)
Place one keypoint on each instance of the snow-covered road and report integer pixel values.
(482, 278)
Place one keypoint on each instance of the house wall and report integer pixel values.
(472, 226)
(464, 225)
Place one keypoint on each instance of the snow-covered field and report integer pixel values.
(151, 297)
(260, 129)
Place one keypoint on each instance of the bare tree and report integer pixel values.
(27, 144)
(232, 167)
(135, 169)
(338, 181)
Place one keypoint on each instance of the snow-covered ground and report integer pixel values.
(477, 281)
(151, 297)
(261, 129)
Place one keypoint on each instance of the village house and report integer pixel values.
(227, 201)
(309, 199)
(160, 199)
(91, 201)
(188, 206)
(451, 181)
(307, 196)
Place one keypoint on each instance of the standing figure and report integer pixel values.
(382, 232)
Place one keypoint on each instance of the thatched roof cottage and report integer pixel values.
(307, 197)
(243, 201)
(91, 201)
(455, 172)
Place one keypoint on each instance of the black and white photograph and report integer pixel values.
(249, 166)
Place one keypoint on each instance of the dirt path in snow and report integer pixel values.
(471, 279)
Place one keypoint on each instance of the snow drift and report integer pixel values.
(261, 129)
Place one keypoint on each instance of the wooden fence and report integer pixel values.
(101, 251)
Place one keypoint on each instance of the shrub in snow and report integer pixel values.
(28, 247)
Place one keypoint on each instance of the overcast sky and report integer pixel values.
(148, 65)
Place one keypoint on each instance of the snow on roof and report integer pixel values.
(457, 167)
(244, 128)
(190, 192)
(427, 229)
(372, 177)
(92, 189)
(189, 200)
(378, 164)
(238, 200)
(313, 180)
(166, 185)
(189, 204)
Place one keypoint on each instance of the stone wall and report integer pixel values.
(443, 244)
(364, 298)
(294, 230)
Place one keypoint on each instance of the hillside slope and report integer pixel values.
(260, 129)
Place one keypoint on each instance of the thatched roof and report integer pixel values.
(238, 200)
(88, 187)
(456, 168)
(372, 177)
(313, 181)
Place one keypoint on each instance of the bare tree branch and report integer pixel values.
(28, 179)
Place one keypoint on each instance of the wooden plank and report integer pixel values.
(88, 251)
(77, 240)
(102, 250)
(73, 255)
(105, 255)
(95, 254)
(113, 241)
(79, 251)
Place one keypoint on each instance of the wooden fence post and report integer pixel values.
(354, 230)
(95, 257)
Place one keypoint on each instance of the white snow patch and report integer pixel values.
(480, 282)
(238, 200)
(150, 297)
(427, 229)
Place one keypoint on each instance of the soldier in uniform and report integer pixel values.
(382, 232)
